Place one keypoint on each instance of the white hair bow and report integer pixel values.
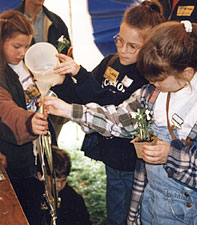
(187, 25)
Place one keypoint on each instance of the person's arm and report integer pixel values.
(87, 85)
(89, 89)
(181, 163)
(18, 125)
(84, 84)
(107, 120)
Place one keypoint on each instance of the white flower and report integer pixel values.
(61, 39)
(133, 115)
(148, 115)
(142, 120)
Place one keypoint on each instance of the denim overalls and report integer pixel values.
(166, 201)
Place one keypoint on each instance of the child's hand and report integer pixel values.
(156, 154)
(39, 124)
(56, 106)
(67, 65)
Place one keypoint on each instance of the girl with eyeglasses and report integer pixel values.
(112, 82)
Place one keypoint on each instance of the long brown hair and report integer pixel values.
(168, 50)
(11, 23)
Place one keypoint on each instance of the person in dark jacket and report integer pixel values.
(112, 82)
(48, 26)
(72, 209)
(180, 10)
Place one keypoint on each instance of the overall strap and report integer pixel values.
(193, 133)
(167, 110)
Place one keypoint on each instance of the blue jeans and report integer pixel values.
(118, 195)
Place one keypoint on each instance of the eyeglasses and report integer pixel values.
(131, 47)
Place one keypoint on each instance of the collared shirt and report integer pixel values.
(38, 25)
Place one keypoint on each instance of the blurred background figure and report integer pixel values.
(48, 26)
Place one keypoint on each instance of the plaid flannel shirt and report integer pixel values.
(115, 121)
